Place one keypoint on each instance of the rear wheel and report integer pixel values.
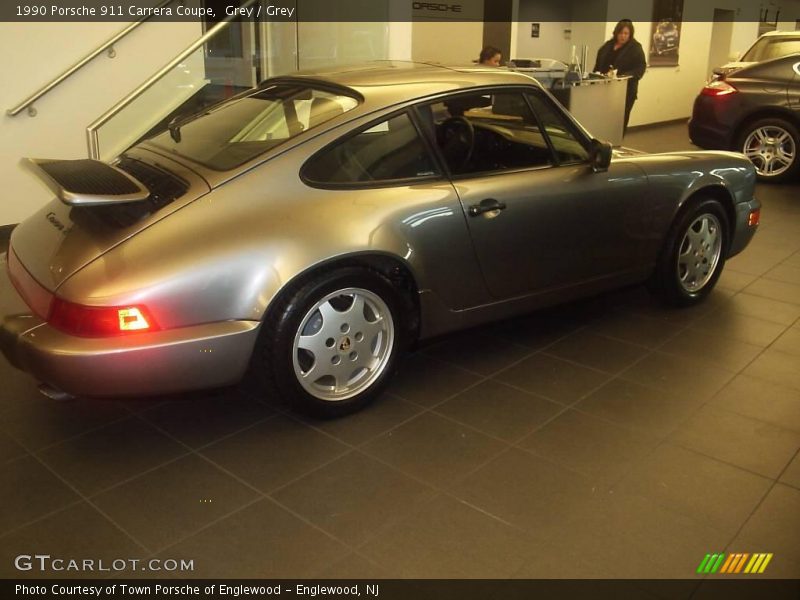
(771, 145)
(331, 345)
(693, 255)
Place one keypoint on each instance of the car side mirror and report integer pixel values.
(600, 156)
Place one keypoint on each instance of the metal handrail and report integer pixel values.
(92, 139)
(108, 44)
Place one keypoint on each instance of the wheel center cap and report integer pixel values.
(345, 343)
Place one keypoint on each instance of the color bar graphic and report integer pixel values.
(736, 562)
(764, 564)
(726, 567)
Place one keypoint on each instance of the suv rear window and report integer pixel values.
(239, 130)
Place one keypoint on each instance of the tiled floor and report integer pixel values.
(607, 438)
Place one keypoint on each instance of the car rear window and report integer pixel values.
(238, 131)
(772, 47)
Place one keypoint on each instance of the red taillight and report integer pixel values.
(718, 87)
(754, 218)
(99, 321)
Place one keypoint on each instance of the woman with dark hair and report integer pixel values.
(490, 56)
(623, 54)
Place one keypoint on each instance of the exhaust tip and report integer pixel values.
(54, 394)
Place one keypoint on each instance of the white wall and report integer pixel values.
(591, 34)
(446, 41)
(667, 93)
(551, 42)
(37, 52)
(439, 36)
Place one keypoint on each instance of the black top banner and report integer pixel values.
(393, 589)
(362, 10)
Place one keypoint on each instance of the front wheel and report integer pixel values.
(771, 145)
(330, 346)
(693, 255)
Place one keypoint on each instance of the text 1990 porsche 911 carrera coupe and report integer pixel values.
(308, 230)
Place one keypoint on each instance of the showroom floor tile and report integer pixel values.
(761, 400)
(626, 535)
(275, 452)
(29, 492)
(354, 497)
(448, 538)
(261, 540)
(610, 437)
(434, 449)
(77, 531)
(598, 448)
(499, 410)
(696, 485)
(791, 476)
(753, 445)
(183, 495)
(639, 407)
(774, 526)
(129, 448)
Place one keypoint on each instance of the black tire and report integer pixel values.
(744, 144)
(671, 280)
(276, 359)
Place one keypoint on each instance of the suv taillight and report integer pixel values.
(718, 87)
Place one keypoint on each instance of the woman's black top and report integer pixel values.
(627, 60)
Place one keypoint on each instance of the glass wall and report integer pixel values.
(240, 54)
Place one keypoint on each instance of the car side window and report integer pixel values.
(389, 151)
(560, 131)
(486, 132)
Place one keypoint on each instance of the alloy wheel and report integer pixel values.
(343, 344)
(771, 149)
(699, 253)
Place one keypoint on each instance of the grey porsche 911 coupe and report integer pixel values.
(305, 232)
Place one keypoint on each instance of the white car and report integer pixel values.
(773, 44)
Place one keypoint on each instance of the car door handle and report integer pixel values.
(485, 206)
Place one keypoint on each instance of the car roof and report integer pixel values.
(388, 82)
(782, 34)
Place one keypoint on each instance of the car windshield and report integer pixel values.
(240, 130)
(772, 47)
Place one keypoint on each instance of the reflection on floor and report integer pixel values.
(607, 438)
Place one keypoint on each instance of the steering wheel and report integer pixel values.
(457, 141)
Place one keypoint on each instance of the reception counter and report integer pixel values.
(598, 104)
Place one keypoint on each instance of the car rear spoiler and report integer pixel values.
(87, 182)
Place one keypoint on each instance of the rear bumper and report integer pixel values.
(196, 357)
(712, 123)
(709, 138)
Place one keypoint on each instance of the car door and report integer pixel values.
(538, 216)
(388, 192)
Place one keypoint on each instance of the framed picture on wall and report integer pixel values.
(665, 41)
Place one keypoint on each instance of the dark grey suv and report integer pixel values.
(754, 110)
